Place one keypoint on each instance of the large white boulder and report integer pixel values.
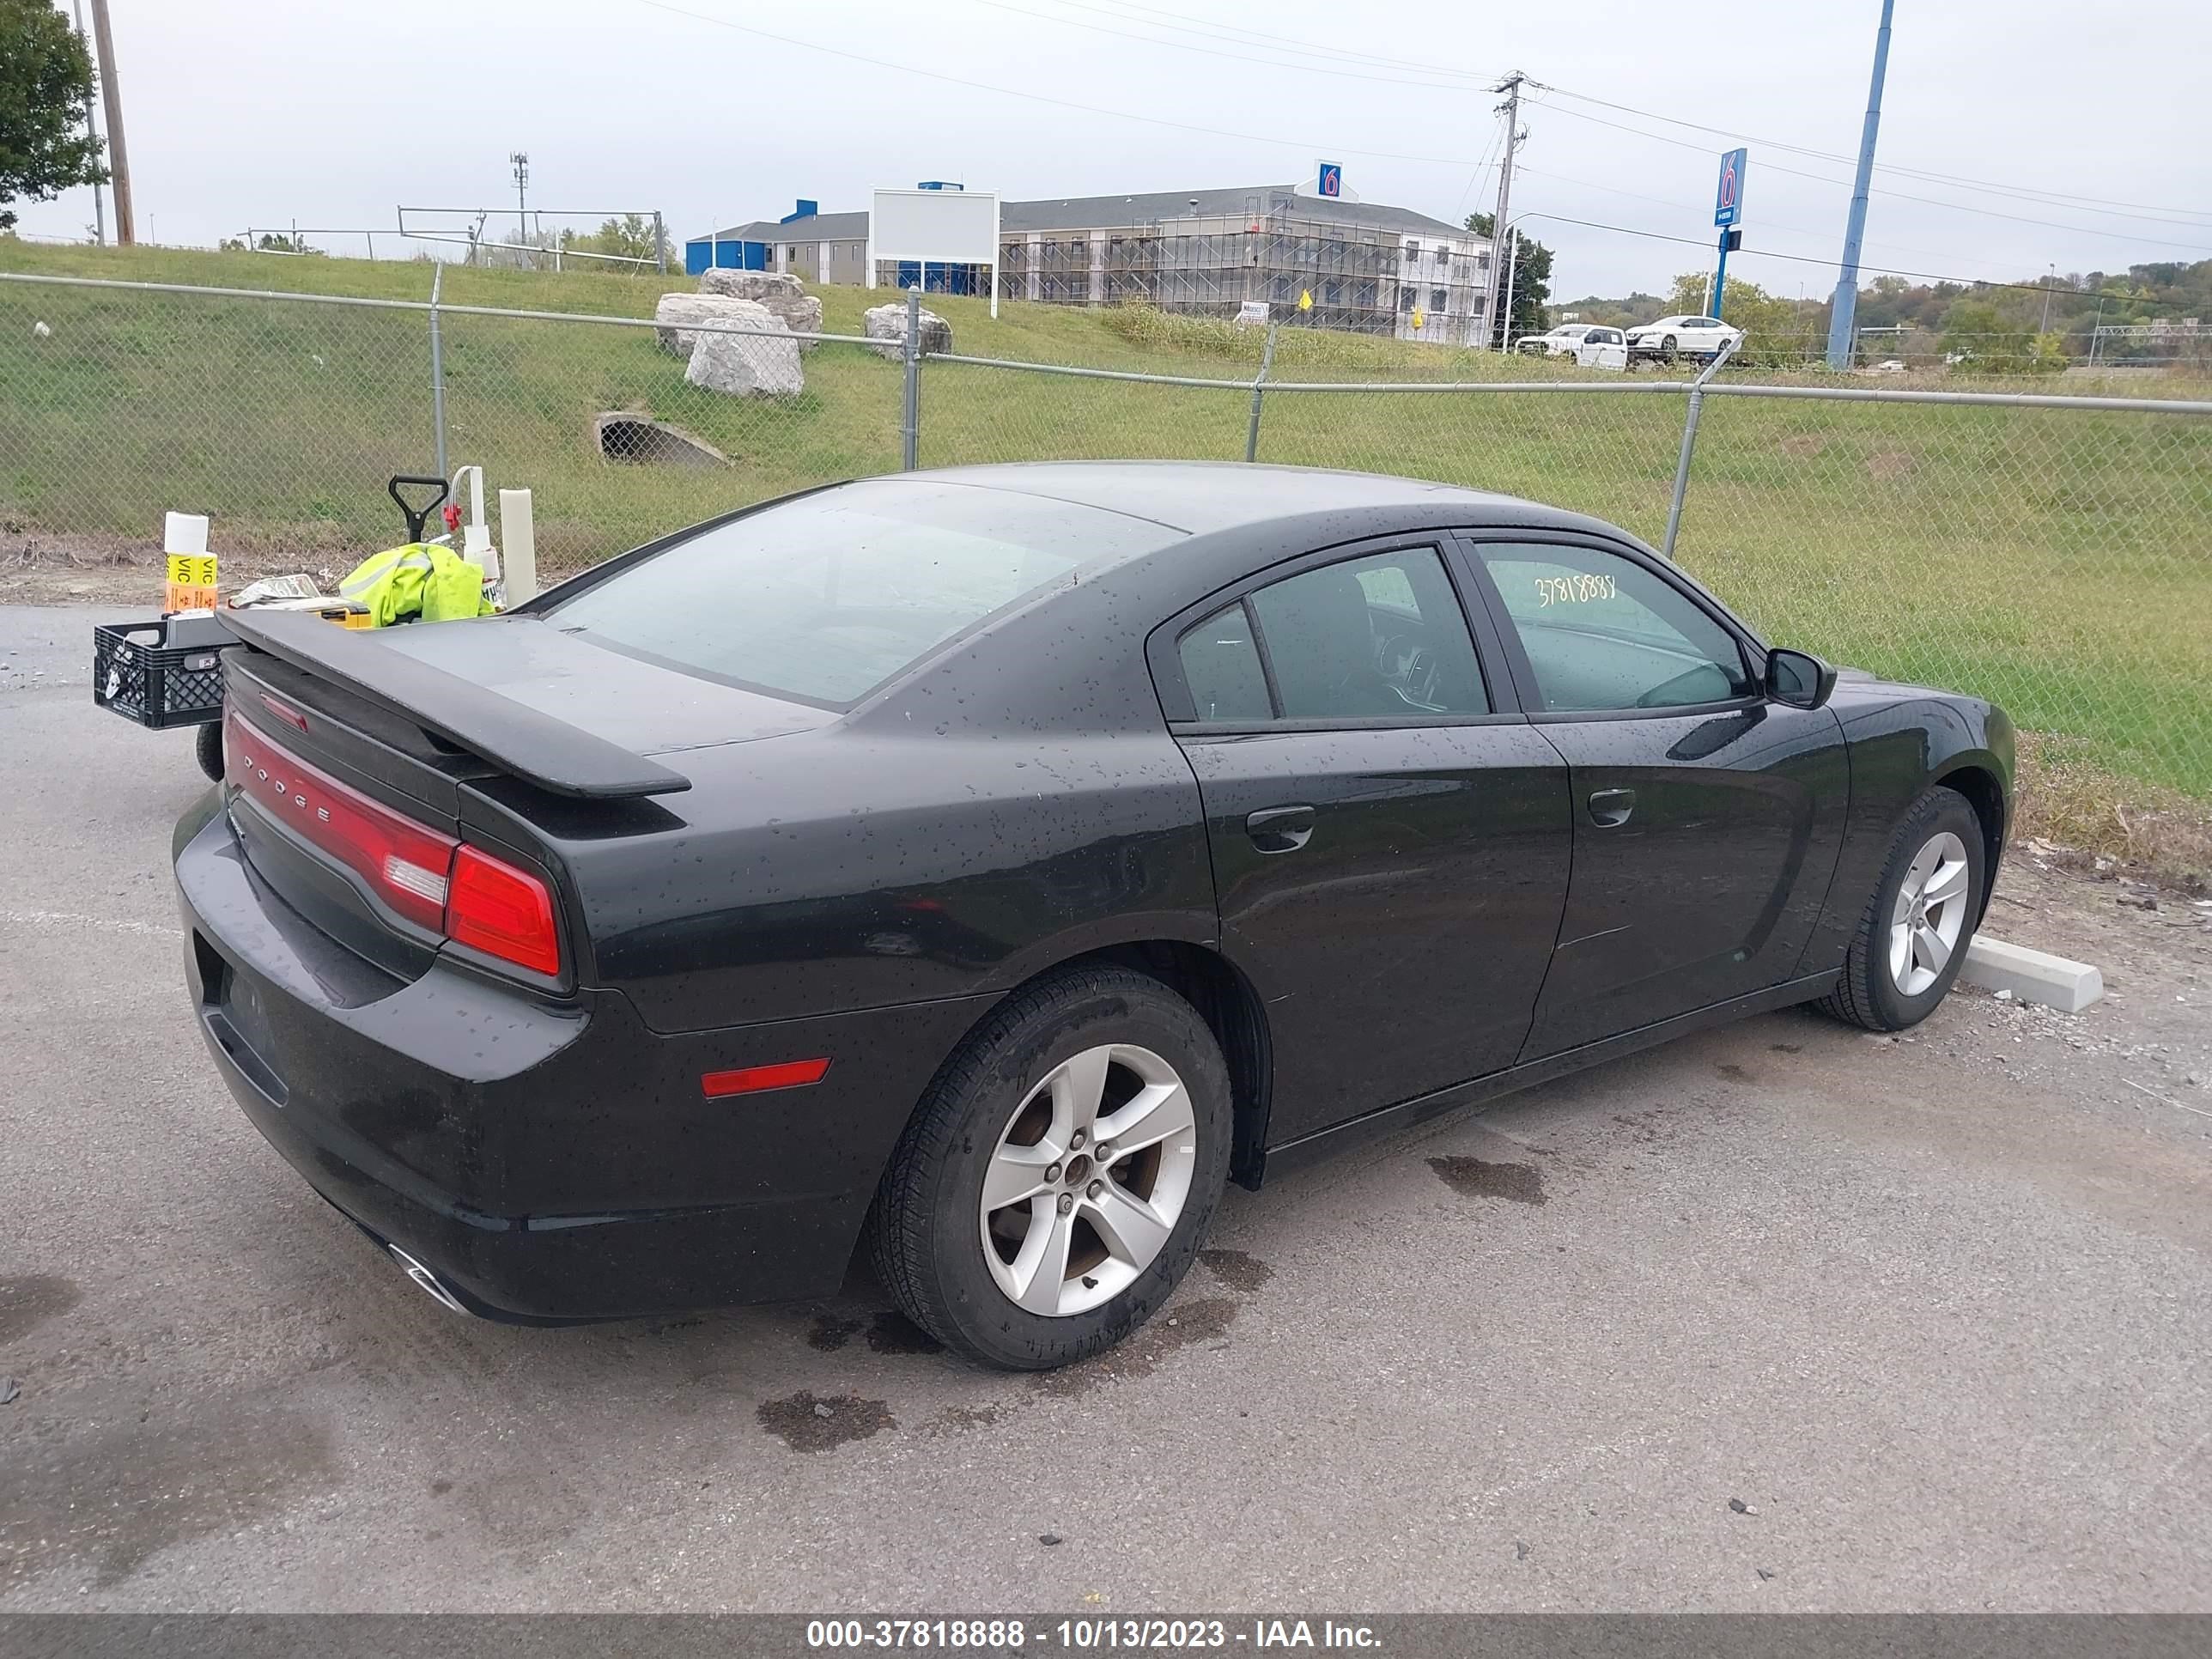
(781, 296)
(888, 324)
(802, 315)
(747, 364)
(678, 318)
(758, 285)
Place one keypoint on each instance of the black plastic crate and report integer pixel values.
(160, 673)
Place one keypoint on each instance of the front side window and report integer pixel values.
(827, 596)
(1602, 632)
(1376, 638)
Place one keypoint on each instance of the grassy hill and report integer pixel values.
(2060, 562)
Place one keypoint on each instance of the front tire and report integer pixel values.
(1668, 348)
(1060, 1175)
(1912, 940)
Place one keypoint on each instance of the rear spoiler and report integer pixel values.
(533, 746)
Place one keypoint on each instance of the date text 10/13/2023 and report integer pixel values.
(1086, 1635)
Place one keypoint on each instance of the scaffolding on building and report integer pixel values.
(1361, 280)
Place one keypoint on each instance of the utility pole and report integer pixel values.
(1846, 310)
(99, 213)
(2047, 282)
(118, 161)
(1511, 86)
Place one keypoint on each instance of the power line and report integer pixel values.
(1747, 252)
(1273, 40)
(1903, 196)
(1765, 223)
(1453, 161)
(2150, 213)
(2087, 204)
(1212, 51)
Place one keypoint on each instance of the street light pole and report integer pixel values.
(1844, 311)
(98, 212)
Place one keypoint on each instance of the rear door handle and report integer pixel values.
(1610, 808)
(1280, 829)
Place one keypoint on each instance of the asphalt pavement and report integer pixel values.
(1780, 1317)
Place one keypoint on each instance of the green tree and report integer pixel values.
(631, 237)
(1530, 279)
(46, 75)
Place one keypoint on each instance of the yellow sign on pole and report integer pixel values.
(1305, 299)
(1419, 317)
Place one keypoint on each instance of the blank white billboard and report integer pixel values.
(945, 226)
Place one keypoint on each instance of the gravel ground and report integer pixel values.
(1780, 1317)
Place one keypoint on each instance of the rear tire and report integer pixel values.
(207, 749)
(1071, 1255)
(1912, 940)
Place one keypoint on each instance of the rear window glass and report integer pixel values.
(825, 597)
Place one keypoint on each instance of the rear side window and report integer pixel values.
(1221, 668)
(1380, 638)
(825, 597)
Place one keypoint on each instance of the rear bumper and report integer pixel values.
(548, 1162)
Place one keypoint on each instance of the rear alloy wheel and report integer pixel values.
(1912, 940)
(1057, 1179)
(1088, 1180)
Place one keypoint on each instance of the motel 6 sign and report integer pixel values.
(1331, 181)
(1728, 200)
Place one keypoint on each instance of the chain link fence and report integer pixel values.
(2053, 553)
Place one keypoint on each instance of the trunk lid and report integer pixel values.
(354, 758)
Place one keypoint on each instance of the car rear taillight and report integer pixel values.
(502, 911)
(431, 878)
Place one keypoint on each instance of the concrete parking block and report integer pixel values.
(2032, 975)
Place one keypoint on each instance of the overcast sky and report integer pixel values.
(252, 112)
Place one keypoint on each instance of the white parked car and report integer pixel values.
(1689, 337)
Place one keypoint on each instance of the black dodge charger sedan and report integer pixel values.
(992, 863)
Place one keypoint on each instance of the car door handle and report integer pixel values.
(1280, 829)
(1610, 808)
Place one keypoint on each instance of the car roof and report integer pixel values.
(1205, 497)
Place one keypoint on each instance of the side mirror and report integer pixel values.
(1799, 679)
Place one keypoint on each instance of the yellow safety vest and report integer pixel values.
(419, 580)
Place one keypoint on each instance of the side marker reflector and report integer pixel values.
(754, 1080)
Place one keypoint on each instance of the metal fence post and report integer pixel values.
(1259, 382)
(438, 370)
(1690, 443)
(910, 408)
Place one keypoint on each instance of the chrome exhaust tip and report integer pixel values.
(425, 1278)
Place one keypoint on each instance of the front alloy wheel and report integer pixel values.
(1931, 912)
(1911, 940)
